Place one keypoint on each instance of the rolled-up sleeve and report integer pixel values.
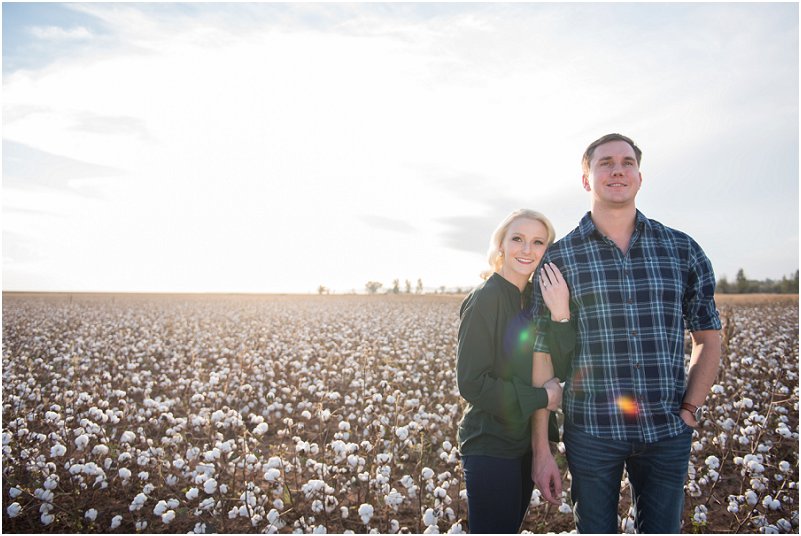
(475, 371)
(700, 311)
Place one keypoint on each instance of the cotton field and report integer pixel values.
(320, 414)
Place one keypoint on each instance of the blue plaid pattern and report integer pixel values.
(630, 313)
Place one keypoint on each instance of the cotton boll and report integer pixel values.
(769, 502)
(116, 521)
(272, 475)
(14, 509)
(210, 486)
(160, 508)
(91, 514)
(699, 516)
(366, 513)
(82, 441)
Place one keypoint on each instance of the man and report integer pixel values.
(635, 285)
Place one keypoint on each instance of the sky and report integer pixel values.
(280, 147)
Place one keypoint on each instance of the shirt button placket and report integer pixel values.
(631, 317)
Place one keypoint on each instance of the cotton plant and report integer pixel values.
(151, 426)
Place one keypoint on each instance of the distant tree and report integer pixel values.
(419, 288)
(743, 285)
(322, 290)
(723, 286)
(395, 286)
(373, 286)
(741, 282)
(408, 285)
(442, 289)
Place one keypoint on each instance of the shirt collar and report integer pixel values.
(587, 226)
(506, 284)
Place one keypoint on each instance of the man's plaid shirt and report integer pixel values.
(630, 312)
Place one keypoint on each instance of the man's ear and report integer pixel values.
(585, 183)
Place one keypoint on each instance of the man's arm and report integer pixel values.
(544, 471)
(703, 370)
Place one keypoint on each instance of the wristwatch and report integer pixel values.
(695, 410)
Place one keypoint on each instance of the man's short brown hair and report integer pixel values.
(585, 160)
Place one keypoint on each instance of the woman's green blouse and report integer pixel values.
(493, 369)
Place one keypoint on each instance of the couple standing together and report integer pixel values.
(606, 313)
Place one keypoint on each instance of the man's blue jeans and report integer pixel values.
(498, 493)
(657, 472)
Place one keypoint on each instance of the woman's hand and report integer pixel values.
(554, 390)
(546, 476)
(555, 292)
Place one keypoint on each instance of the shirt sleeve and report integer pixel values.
(477, 381)
(561, 337)
(700, 311)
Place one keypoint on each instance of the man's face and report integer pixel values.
(614, 178)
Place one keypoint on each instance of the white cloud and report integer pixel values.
(56, 33)
(270, 145)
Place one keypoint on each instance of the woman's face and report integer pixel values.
(523, 247)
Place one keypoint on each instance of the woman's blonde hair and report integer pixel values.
(494, 251)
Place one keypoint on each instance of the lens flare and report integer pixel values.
(628, 406)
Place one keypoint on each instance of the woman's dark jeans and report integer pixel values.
(498, 493)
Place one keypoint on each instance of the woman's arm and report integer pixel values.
(561, 333)
(477, 382)
(544, 471)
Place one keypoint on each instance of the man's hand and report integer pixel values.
(546, 476)
(554, 390)
(688, 418)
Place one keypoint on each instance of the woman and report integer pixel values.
(494, 367)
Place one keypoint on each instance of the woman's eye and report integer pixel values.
(516, 238)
